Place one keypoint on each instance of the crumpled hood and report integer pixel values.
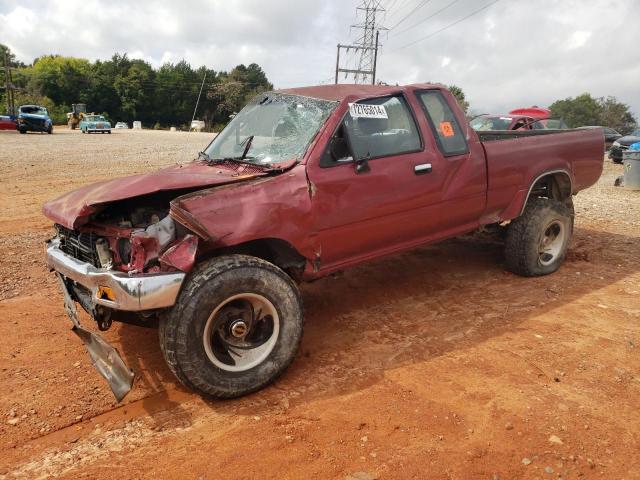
(73, 209)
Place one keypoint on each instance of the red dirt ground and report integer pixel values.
(431, 364)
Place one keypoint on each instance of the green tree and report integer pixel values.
(578, 111)
(64, 80)
(616, 115)
(587, 110)
(234, 89)
(130, 89)
(135, 89)
(460, 97)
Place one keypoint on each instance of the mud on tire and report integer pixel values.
(198, 336)
(537, 241)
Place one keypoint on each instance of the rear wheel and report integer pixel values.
(235, 328)
(537, 241)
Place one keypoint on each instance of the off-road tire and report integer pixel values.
(209, 284)
(50, 130)
(525, 233)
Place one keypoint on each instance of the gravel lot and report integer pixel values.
(431, 364)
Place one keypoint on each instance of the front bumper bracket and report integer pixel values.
(105, 358)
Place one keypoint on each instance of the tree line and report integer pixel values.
(126, 89)
(586, 110)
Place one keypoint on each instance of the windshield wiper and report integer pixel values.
(204, 156)
(247, 146)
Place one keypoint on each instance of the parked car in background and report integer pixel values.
(34, 118)
(622, 144)
(610, 135)
(197, 125)
(542, 116)
(535, 112)
(486, 122)
(122, 125)
(7, 123)
(95, 123)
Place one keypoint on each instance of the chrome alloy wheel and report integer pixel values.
(551, 242)
(241, 332)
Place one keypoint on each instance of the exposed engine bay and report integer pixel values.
(132, 240)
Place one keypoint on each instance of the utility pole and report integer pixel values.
(8, 82)
(198, 100)
(366, 46)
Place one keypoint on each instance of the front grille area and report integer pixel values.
(79, 245)
(34, 123)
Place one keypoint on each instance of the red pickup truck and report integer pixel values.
(301, 183)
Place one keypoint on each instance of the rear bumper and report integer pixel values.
(132, 293)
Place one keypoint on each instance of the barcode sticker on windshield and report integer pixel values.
(361, 110)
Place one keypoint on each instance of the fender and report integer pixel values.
(270, 207)
(519, 202)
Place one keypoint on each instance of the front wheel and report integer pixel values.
(537, 241)
(50, 129)
(235, 328)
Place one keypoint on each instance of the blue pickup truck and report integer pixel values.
(34, 118)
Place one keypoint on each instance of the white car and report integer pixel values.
(121, 125)
(197, 125)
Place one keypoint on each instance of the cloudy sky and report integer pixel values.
(514, 53)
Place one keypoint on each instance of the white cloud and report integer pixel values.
(512, 54)
(578, 39)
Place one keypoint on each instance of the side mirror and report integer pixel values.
(362, 165)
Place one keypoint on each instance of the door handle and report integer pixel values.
(422, 169)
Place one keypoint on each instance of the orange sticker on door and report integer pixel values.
(447, 129)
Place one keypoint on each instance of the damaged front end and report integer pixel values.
(121, 267)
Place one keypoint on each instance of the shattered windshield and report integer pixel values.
(272, 128)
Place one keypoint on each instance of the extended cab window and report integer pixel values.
(378, 127)
(443, 122)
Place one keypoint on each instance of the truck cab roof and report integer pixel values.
(342, 91)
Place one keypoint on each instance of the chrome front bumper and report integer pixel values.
(132, 293)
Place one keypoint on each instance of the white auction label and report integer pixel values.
(361, 110)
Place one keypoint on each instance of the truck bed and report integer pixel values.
(513, 166)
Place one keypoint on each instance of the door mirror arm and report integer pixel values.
(362, 164)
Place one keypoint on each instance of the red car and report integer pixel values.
(301, 183)
(7, 123)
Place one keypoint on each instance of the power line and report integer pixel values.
(429, 17)
(416, 8)
(446, 27)
(399, 7)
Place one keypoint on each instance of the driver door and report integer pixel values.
(379, 204)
